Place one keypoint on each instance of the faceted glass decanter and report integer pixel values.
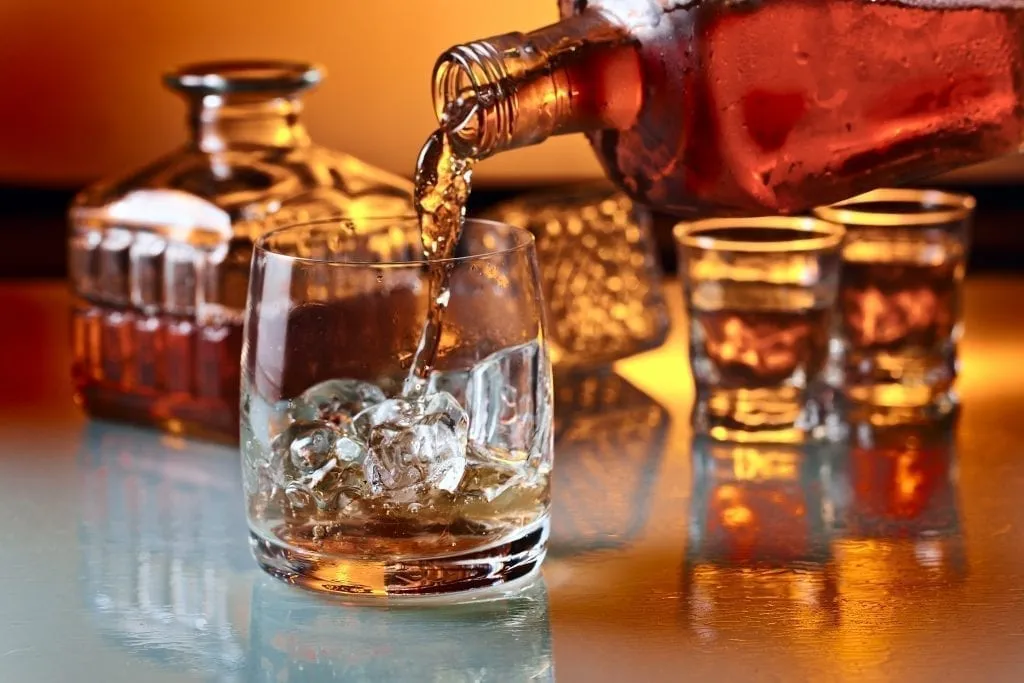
(159, 258)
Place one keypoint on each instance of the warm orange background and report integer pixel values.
(81, 93)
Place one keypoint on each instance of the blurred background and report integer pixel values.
(83, 99)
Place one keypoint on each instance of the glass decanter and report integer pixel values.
(159, 258)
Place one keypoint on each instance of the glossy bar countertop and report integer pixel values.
(123, 553)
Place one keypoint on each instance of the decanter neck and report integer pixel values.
(245, 104)
(219, 123)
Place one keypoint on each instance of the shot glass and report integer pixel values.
(895, 347)
(359, 482)
(759, 294)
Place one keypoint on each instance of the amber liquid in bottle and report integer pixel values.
(140, 351)
(759, 107)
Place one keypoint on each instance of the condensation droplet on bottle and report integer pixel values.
(830, 99)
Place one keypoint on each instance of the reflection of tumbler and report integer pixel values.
(610, 438)
(157, 556)
(298, 637)
(600, 276)
(757, 533)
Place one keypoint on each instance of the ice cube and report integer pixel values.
(414, 445)
(299, 498)
(489, 474)
(311, 444)
(336, 401)
(454, 382)
(349, 449)
(315, 462)
(331, 487)
(262, 420)
(508, 399)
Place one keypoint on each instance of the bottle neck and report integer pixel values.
(514, 90)
(218, 123)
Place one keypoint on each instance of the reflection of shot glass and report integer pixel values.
(899, 300)
(359, 482)
(759, 293)
(599, 272)
(757, 505)
(897, 481)
(897, 536)
(758, 536)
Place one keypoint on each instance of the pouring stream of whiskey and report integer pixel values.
(443, 182)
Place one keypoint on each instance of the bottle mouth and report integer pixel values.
(261, 76)
(472, 99)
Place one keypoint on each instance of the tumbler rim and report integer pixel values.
(523, 241)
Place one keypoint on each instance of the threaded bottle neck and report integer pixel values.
(517, 89)
(475, 96)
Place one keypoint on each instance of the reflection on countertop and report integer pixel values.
(610, 438)
(817, 550)
(167, 577)
(159, 578)
(810, 545)
(758, 534)
(902, 561)
(898, 543)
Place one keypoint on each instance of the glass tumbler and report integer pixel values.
(899, 301)
(355, 484)
(759, 294)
